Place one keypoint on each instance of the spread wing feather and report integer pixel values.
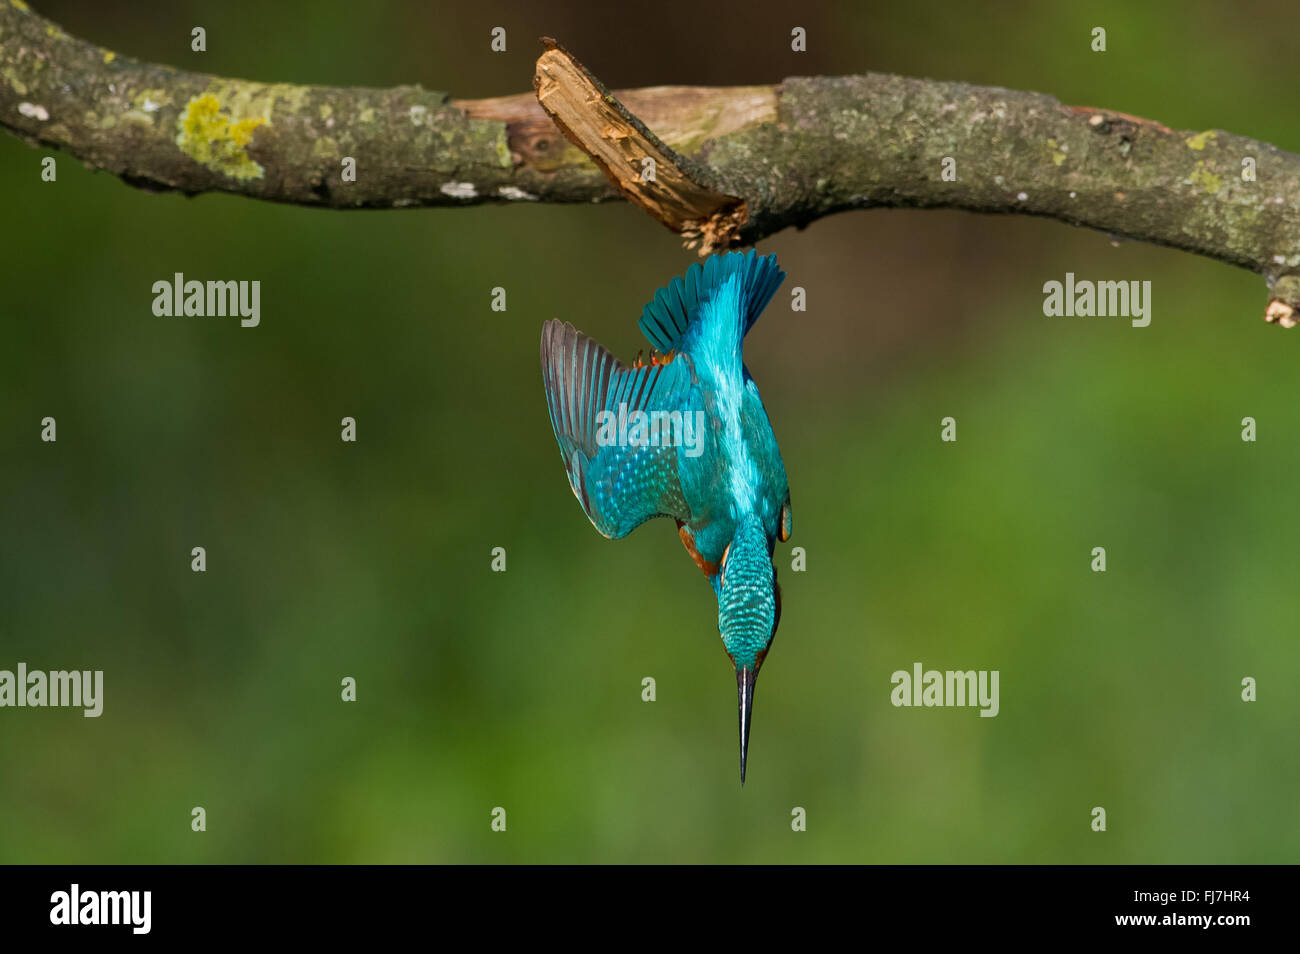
(619, 483)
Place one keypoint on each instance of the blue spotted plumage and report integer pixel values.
(685, 436)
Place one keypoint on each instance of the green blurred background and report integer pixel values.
(523, 689)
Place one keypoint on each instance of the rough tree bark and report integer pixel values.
(731, 165)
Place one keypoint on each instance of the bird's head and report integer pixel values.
(749, 610)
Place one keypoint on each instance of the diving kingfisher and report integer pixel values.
(684, 435)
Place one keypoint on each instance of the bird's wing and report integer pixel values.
(675, 306)
(619, 482)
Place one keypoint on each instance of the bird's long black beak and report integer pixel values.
(745, 679)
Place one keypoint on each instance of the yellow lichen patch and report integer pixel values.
(15, 83)
(18, 5)
(244, 100)
(1201, 140)
(109, 56)
(211, 138)
(1205, 179)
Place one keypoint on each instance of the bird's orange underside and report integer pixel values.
(688, 541)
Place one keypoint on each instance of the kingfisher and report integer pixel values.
(683, 434)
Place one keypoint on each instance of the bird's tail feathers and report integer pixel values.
(677, 305)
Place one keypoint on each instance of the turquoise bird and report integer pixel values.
(684, 435)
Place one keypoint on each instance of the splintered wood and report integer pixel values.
(645, 170)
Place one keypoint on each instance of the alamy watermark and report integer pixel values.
(931, 687)
(1086, 299)
(75, 906)
(195, 299)
(652, 429)
(57, 688)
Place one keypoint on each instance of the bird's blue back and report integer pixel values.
(743, 472)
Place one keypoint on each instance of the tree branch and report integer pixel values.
(733, 165)
(682, 194)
